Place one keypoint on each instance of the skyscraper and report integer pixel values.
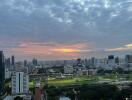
(111, 61)
(110, 57)
(7, 63)
(25, 63)
(20, 83)
(128, 61)
(128, 58)
(2, 71)
(35, 62)
(12, 60)
(117, 61)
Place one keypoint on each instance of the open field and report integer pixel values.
(80, 80)
(87, 83)
(72, 81)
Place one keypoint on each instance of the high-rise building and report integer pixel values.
(35, 62)
(117, 60)
(13, 60)
(7, 63)
(128, 58)
(68, 69)
(2, 71)
(25, 62)
(128, 61)
(78, 63)
(93, 61)
(110, 57)
(111, 61)
(20, 83)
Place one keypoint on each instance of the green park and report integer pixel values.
(82, 80)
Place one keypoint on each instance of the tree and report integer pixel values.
(18, 98)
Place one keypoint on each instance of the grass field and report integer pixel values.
(71, 81)
(80, 80)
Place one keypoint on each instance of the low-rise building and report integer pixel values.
(7, 73)
(68, 69)
(8, 98)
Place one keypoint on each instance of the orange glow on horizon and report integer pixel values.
(64, 50)
(49, 50)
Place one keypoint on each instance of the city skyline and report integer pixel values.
(65, 29)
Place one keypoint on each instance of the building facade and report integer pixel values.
(68, 69)
(20, 83)
(12, 60)
(2, 71)
(128, 62)
(111, 61)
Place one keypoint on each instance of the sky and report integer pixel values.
(65, 29)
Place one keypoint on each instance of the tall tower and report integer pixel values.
(111, 61)
(25, 63)
(128, 61)
(13, 61)
(20, 83)
(7, 63)
(2, 71)
(35, 62)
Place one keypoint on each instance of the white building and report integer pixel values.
(101, 63)
(7, 73)
(8, 98)
(111, 63)
(20, 83)
(68, 69)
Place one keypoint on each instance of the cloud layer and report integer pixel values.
(48, 50)
(102, 23)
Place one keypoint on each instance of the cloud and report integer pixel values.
(101, 22)
(127, 47)
(25, 6)
(49, 50)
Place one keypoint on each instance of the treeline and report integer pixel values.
(89, 92)
(113, 71)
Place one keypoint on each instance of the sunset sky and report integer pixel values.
(65, 29)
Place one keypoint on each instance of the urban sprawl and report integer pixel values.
(63, 79)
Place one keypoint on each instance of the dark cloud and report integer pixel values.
(102, 22)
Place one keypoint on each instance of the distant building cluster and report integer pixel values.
(20, 72)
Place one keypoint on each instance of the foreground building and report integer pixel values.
(2, 71)
(20, 83)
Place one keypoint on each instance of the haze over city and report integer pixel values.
(65, 29)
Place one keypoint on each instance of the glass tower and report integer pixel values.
(2, 71)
